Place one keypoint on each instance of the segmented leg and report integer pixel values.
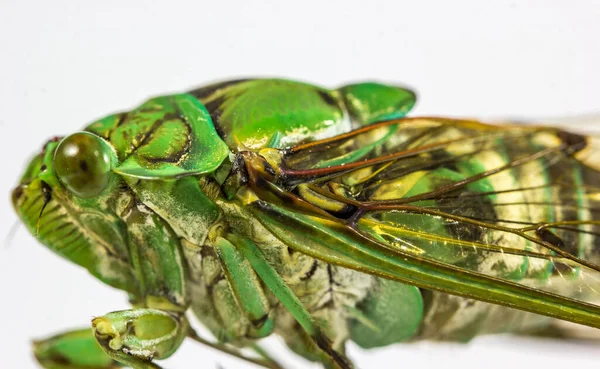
(75, 349)
(265, 361)
(136, 337)
(286, 296)
(247, 290)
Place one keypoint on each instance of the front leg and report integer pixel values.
(138, 336)
(157, 325)
(76, 349)
(287, 298)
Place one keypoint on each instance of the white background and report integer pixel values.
(63, 65)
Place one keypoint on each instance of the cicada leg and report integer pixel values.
(136, 337)
(264, 361)
(560, 329)
(247, 290)
(286, 296)
(302, 343)
(75, 349)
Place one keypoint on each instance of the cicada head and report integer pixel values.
(69, 198)
(79, 197)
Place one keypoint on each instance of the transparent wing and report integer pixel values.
(515, 209)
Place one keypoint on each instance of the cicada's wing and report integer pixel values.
(508, 215)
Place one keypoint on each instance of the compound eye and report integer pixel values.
(82, 163)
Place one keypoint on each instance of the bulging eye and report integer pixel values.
(82, 163)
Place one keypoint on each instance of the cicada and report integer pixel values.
(268, 206)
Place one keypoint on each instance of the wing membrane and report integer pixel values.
(342, 245)
(516, 207)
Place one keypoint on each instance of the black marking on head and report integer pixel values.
(46, 192)
(143, 138)
(176, 156)
(122, 120)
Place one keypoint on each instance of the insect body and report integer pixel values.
(276, 207)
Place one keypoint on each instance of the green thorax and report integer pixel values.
(191, 134)
(259, 113)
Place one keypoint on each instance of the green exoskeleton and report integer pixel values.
(322, 216)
